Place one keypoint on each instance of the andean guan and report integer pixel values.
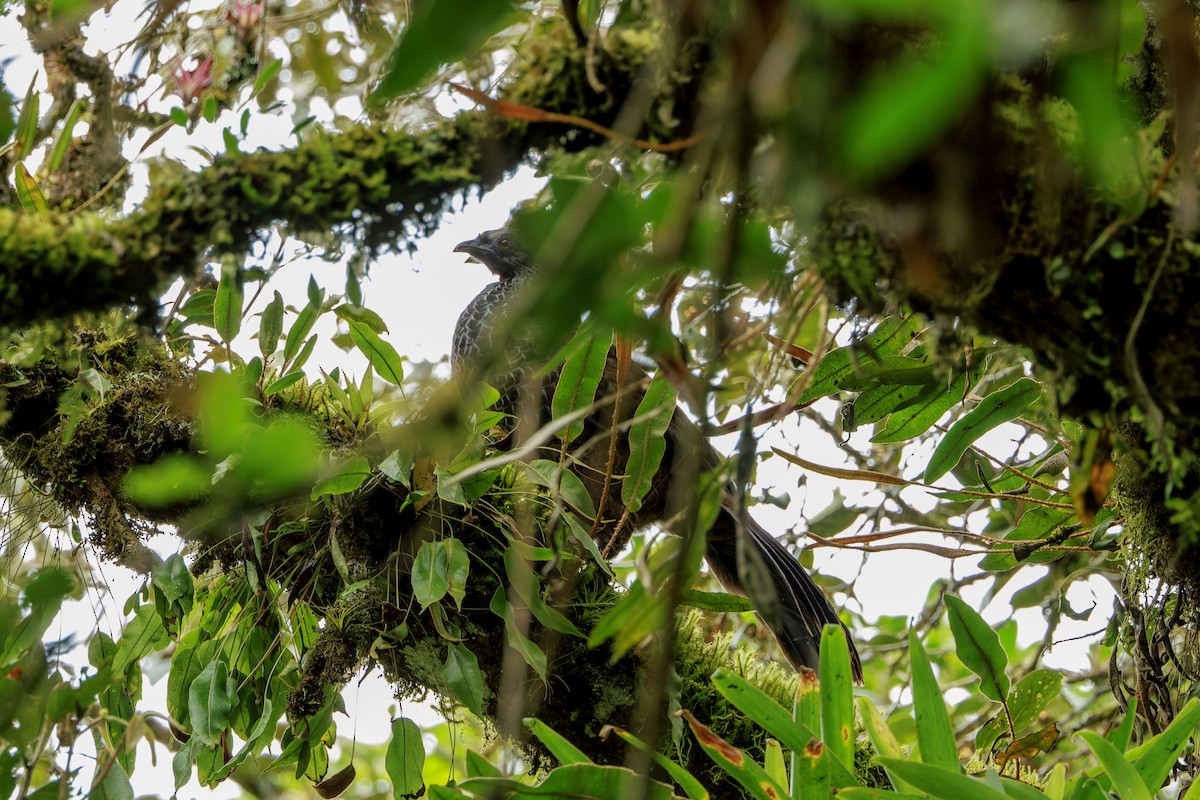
(509, 365)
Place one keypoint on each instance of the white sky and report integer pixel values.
(420, 297)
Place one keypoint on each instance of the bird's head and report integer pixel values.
(498, 251)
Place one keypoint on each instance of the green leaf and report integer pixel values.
(559, 747)
(940, 782)
(405, 759)
(979, 648)
(543, 472)
(178, 116)
(579, 378)
(350, 477)
(27, 122)
(905, 106)
(773, 718)
(890, 337)
(441, 32)
(893, 370)
(533, 655)
(381, 354)
(145, 632)
(223, 413)
(882, 737)
(171, 480)
(277, 386)
(934, 734)
(1125, 777)
(227, 306)
(29, 194)
(264, 75)
(913, 416)
(1026, 702)
(59, 151)
(431, 573)
(210, 702)
(352, 312)
(719, 602)
(1036, 523)
(270, 327)
(462, 674)
(691, 787)
(837, 694)
(570, 782)
(115, 784)
(995, 409)
(7, 123)
(1160, 754)
(300, 330)
(458, 568)
(647, 442)
(753, 778)
(812, 770)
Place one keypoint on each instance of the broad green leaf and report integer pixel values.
(889, 338)
(210, 702)
(431, 573)
(462, 674)
(350, 477)
(544, 472)
(270, 327)
(533, 655)
(458, 569)
(441, 32)
(691, 787)
(173, 479)
(995, 409)
(774, 718)
(915, 416)
(265, 75)
(1026, 702)
(300, 330)
(525, 583)
(837, 694)
(381, 354)
(559, 747)
(979, 648)
(893, 370)
(719, 602)
(753, 778)
(1160, 754)
(227, 308)
(934, 733)
(29, 194)
(773, 763)
(905, 106)
(277, 386)
(44, 593)
(7, 123)
(812, 770)
(405, 759)
(114, 785)
(354, 312)
(145, 632)
(1119, 736)
(1125, 777)
(224, 415)
(940, 782)
(281, 458)
(634, 617)
(647, 442)
(579, 377)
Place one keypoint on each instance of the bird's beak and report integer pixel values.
(471, 247)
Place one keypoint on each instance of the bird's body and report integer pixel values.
(490, 345)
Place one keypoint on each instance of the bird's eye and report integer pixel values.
(505, 243)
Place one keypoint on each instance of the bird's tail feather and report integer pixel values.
(798, 609)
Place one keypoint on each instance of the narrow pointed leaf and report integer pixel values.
(381, 354)
(837, 694)
(647, 444)
(559, 747)
(579, 378)
(995, 409)
(1125, 777)
(934, 733)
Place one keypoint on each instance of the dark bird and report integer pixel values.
(491, 344)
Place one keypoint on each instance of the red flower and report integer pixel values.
(190, 82)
